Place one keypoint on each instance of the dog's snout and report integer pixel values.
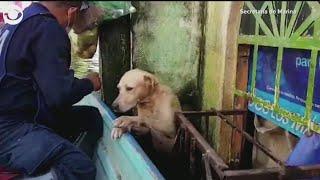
(115, 106)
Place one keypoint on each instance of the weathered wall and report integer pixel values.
(214, 64)
(192, 47)
(114, 42)
(219, 69)
(166, 42)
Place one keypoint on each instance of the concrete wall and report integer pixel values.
(115, 53)
(166, 42)
(214, 60)
(191, 46)
(219, 79)
(220, 60)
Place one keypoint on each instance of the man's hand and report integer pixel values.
(95, 80)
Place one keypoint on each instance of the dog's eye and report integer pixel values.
(129, 88)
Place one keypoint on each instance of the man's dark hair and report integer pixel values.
(68, 4)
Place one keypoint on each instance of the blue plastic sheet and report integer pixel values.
(293, 86)
(306, 152)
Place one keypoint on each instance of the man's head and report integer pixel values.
(66, 12)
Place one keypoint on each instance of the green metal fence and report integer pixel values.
(283, 31)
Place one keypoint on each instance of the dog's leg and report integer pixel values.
(162, 142)
(125, 124)
(136, 125)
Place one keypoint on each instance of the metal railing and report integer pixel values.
(205, 163)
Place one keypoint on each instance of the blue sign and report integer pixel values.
(293, 85)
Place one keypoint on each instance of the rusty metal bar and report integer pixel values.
(181, 139)
(250, 139)
(206, 167)
(192, 156)
(211, 159)
(297, 172)
(207, 126)
(187, 144)
(274, 173)
(216, 162)
(176, 146)
(214, 113)
(302, 171)
(253, 174)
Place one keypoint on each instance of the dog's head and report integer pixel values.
(134, 86)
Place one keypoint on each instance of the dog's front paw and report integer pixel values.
(126, 123)
(116, 133)
(121, 126)
(120, 120)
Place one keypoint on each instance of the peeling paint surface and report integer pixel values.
(166, 43)
(214, 60)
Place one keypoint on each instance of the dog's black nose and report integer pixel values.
(115, 107)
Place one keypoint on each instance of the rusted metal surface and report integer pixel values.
(192, 156)
(207, 127)
(253, 174)
(207, 167)
(202, 143)
(238, 148)
(222, 115)
(302, 171)
(250, 139)
(187, 145)
(214, 113)
(191, 143)
(181, 150)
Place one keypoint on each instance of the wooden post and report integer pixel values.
(229, 77)
(239, 102)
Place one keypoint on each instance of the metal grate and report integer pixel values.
(205, 163)
(300, 30)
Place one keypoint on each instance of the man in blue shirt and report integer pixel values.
(37, 91)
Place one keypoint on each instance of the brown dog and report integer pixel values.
(156, 105)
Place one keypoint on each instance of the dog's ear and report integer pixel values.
(150, 81)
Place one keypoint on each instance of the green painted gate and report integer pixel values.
(300, 30)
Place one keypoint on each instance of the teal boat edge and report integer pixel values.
(119, 159)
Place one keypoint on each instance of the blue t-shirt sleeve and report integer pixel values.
(51, 48)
